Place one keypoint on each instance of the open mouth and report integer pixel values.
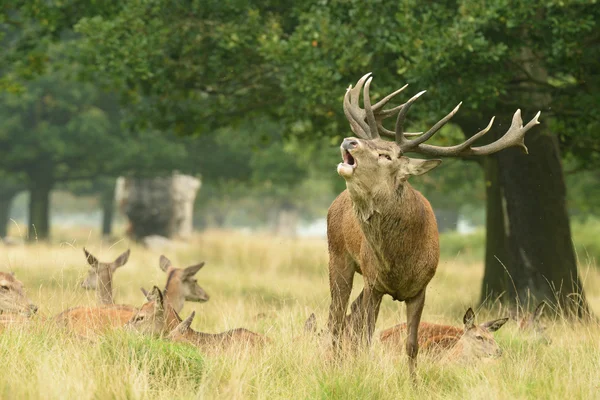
(348, 159)
(348, 165)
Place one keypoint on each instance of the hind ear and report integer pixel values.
(156, 296)
(121, 260)
(145, 293)
(193, 270)
(185, 324)
(469, 319)
(539, 310)
(164, 263)
(93, 261)
(494, 325)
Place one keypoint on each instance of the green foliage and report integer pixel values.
(158, 357)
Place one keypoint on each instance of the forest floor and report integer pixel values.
(271, 285)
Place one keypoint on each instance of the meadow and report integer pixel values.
(270, 285)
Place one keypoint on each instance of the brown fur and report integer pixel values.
(384, 229)
(181, 286)
(470, 342)
(211, 341)
(100, 276)
(13, 299)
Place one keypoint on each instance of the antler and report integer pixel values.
(367, 123)
(513, 137)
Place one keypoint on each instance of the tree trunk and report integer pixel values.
(39, 210)
(107, 198)
(5, 203)
(529, 252)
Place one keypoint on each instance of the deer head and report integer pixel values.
(477, 340)
(13, 298)
(183, 282)
(531, 324)
(371, 164)
(100, 271)
(154, 317)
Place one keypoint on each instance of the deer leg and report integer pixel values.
(365, 311)
(414, 309)
(341, 276)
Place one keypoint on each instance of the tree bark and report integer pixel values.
(39, 210)
(5, 204)
(107, 198)
(529, 252)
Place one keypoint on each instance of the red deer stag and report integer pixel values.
(380, 226)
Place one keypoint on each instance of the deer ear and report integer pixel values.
(164, 263)
(494, 325)
(416, 166)
(156, 296)
(145, 292)
(469, 319)
(121, 260)
(93, 261)
(187, 323)
(193, 270)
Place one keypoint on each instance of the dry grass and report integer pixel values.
(268, 285)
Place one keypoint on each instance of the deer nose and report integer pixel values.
(349, 144)
(33, 308)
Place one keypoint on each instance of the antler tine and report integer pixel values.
(514, 137)
(400, 138)
(385, 100)
(434, 129)
(357, 124)
(391, 134)
(369, 111)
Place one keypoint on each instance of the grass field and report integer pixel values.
(270, 285)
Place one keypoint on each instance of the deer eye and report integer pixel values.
(4, 288)
(480, 338)
(139, 318)
(386, 156)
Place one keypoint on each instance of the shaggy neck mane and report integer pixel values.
(385, 212)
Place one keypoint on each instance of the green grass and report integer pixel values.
(284, 281)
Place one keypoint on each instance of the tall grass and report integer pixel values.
(269, 285)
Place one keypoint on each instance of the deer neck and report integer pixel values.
(173, 293)
(171, 319)
(387, 210)
(104, 293)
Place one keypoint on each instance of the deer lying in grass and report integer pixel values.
(530, 325)
(100, 276)
(158, 318)
(15, 307)
(467, 343)
(207, 341)
(181, 286)
(380, 226)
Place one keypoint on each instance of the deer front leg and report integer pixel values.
(341, 276)
(414, 309)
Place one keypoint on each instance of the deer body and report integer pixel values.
(380, 226)
(452, 343)
(207, 341)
